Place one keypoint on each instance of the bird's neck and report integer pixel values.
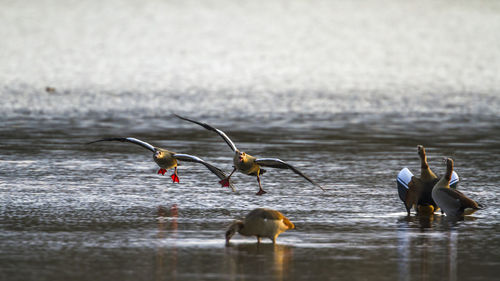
(425, 172)
(240, 226)
(443, 182)
(449, 171)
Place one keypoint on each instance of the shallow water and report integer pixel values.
(75, 211)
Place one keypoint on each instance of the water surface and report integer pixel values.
(342, 90)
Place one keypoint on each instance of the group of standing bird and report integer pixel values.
(429, 193)
(426, 193)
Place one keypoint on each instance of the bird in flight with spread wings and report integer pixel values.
(166, 159)
(247, 164)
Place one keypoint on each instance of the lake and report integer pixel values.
(344, 91)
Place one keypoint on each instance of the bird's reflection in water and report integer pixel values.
(167, 226)
(418, 251)
(425, 221)
(419, 221)
(264, 259)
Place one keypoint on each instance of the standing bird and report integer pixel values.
(420, 188)
(248, 164)
(260, 222)
(453, 202)
(168, 159)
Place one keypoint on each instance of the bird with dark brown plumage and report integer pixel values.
(420, 188)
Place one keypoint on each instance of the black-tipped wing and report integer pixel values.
(210, 128)
(190, 158)
(131, 140)
(280, 164)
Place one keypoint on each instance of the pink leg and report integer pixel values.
(261, 191)
(225, 182)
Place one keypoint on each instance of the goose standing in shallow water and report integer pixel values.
(260, 222)
(248, 164)
(168, 159)
(420, 188)
(453, 202)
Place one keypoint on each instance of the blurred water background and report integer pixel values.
(343, 90)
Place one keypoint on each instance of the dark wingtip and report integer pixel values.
(91, 142)
(108, 139)
(183, 118)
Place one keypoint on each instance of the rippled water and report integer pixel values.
(342, 90)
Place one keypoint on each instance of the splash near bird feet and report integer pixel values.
(162, 171)
(175, 178)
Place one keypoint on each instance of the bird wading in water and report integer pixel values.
(420, 188)
(260, 222)
(453, 202)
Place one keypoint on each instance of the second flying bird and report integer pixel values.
(248, 164)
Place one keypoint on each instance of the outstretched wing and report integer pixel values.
(403, 179)
(280, 164)
(131, 140)
(190, 158)
(210, 128)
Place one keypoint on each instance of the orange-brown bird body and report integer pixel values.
(261, 222)
(420, 188)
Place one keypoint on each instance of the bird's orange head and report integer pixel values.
(242, 156)
(159, 154)
(421, 150)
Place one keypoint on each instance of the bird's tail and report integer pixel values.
(288, 223)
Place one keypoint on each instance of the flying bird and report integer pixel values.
(453, 202)
(260, 222)
(247, 164)
(166, 159)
